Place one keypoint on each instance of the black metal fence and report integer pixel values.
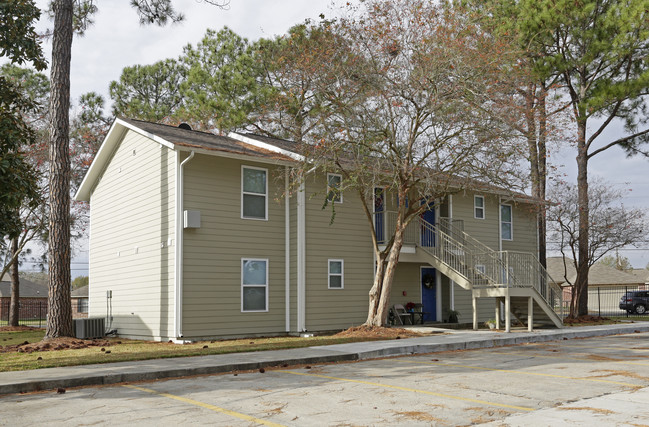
(605, 301)
(32, 313)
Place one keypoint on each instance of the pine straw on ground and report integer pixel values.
(52, 344)
(364, 331)
(16, 328)
(586, 320)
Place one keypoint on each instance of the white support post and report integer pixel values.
(498, 325)
(508, 313)
(474, 303)
(530, 314)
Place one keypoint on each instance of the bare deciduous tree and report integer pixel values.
(612, 225)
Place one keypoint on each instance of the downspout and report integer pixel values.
(301, 258)
(287, 250)
(178, 261)
(450, 218)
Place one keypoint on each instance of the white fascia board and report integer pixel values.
(266, 146)
(113, 138)
(228, 155)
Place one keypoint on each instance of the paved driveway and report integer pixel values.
(597, 381)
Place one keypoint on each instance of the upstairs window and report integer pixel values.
(254, 193)
(336, 280)
(334, 182)
(506, 223)
(478, 207)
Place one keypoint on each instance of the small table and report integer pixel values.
(413, 317)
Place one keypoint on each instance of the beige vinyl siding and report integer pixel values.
(213, 252)
(486, 230)
(133, 210)
(406, 279)
(525, 232)
(486, 306)
(348, 238)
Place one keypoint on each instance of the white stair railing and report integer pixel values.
(479, 264)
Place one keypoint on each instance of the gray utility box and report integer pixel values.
(92, 327)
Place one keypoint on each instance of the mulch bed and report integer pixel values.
(585, 320)
(16, 328)
(377, 332)
(52, 344)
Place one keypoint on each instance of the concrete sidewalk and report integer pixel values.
(111, 373)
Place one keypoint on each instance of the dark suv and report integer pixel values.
(635, 302)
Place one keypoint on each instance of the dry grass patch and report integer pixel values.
(587, 408)
(417, 415)
(24, 349)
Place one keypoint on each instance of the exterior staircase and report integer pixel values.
(516, 278)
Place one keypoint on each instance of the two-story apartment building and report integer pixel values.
(193, 236)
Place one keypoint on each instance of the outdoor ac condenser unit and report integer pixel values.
(89, 328)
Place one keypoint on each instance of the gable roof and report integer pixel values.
(28, 289)
(598, 275)
(80, 292)
(262, 149)
(641, 274)
(239, 145)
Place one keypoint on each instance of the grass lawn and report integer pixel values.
(128, 350)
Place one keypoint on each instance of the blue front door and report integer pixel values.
(427, 234)
(429, 293)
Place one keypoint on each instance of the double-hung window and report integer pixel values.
(506, 222)
(82, 305)
(336, 274)
(254, 193)
(334, 193)
(478, 207)
(254, 284)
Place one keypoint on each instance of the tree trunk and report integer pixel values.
(380, 292)
(581, 283)
(59, 310)
(543, 175)
(14, 305)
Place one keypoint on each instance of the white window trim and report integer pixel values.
(243, 260)
(339, 190)
(342, 273)
(265, 218)
(511, 211)
(476, 207)
(481, 268)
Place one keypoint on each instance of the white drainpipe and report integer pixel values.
(287, 251)
(180, 178)
(301, 258)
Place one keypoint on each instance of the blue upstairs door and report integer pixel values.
(379, 209)
(427, 235)
(429, 293)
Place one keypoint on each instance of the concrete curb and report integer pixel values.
(112, 373)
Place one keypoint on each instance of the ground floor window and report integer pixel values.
(254, 284)
(336, 280)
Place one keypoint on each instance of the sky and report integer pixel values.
(117, 40)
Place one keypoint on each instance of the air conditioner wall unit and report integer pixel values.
(89, 328)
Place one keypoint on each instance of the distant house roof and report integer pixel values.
(598, 275)
(642, 274)
(28, 289)
(81, 292)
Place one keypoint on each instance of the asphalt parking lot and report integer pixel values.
(595, 381)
